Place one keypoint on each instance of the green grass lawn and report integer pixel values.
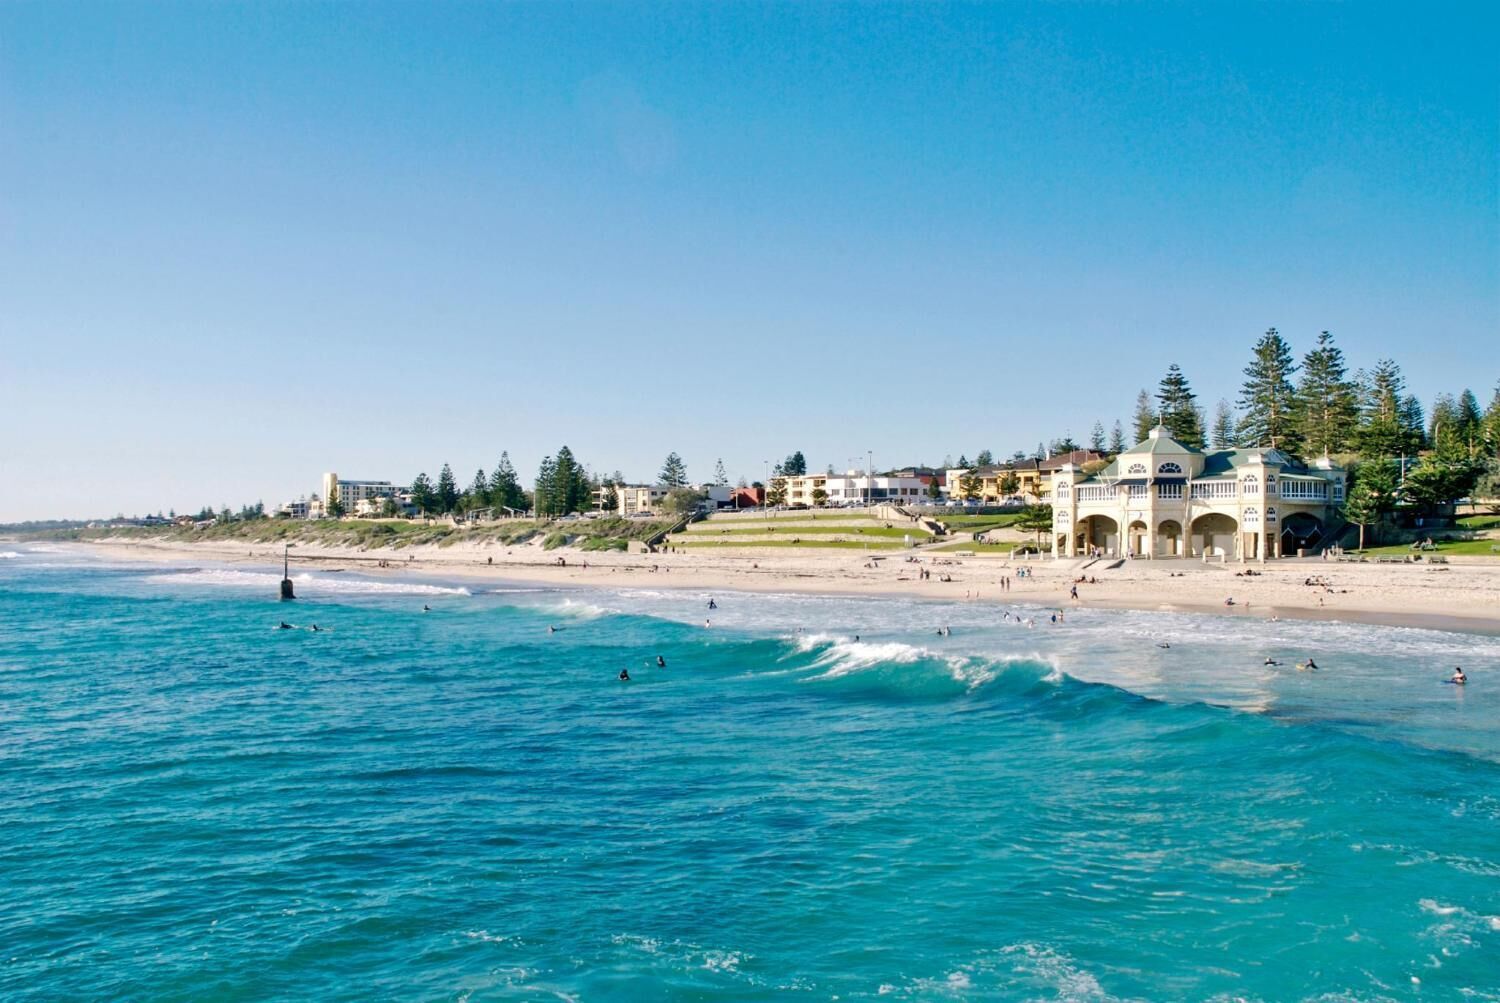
(872, 529)
(979, 523)
(806, 544)
(1480, 522)
(1462, 548)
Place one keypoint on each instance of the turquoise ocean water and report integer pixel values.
(460, 805)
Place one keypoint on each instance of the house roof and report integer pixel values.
(1160, 441)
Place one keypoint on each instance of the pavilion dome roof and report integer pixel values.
(1159, 441)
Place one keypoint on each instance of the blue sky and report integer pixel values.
(244, 244)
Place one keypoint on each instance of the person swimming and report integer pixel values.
(426, 608)
(661, 663)
(1307, 666)
(1162, 644)
(1270, 661)
(1458, 678)
(314, 628)
(624, 675)
(285, 626)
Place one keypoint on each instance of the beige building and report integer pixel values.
(1161, 498)
(350, 493)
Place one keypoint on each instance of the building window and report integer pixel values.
(1249, 486)
(1137, 468)
(1169, 468)
(1270, 515)
(1252, 517)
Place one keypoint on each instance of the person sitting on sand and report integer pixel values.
(1458, 678)
(1229, 601)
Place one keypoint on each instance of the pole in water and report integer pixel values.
(286, 578)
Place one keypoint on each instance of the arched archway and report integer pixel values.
(1300, 529)
(1169, 539)
(1138, 536)
(1098, 531)
(1214, 534)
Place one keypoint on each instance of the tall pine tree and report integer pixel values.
(1385, 415)
(546, 500)
(673, 472)
(1117, 438)
(1327, 401)
(1267, 400)
(1179, 410)
(422, 494)
(1224, 426)
(447, 490)
(1470, 423)
(1096, 437)
(505, 486)
(1145, 416)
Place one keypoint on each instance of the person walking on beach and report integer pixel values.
(1075, 592)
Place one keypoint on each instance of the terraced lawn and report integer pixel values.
(783, 529)
(805, 544)
(1462, 548)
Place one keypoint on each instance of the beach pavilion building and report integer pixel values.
(1161, 498)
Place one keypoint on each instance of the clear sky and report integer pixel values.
(241, 244)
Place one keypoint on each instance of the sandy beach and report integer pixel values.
(1456, 596)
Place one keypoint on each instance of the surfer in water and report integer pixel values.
(712, 604)
(661, 663)
(1458, 678)
(1270, 661)
(1162, 644)
(1307, 666)
(426, 608)
(285, 626)
(624, 675)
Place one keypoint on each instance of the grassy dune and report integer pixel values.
(371, 534)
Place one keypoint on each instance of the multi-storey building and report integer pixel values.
(1161, 498)
(350, 493)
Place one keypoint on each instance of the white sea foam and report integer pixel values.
(8, 555)
(307, 583)
(580, 610)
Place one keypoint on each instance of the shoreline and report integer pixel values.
(1462, 598)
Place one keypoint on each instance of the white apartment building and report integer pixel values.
(350, 493)
(853, 488)
(645, 499)
(298, 509)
